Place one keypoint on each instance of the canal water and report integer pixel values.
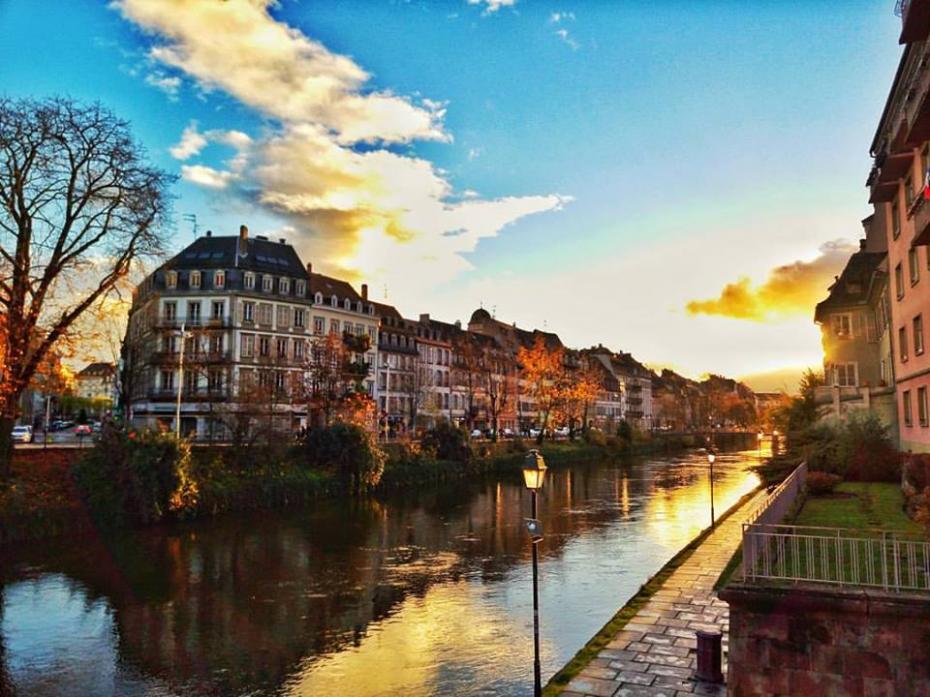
(422, 593)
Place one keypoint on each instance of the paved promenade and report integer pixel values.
(654, 655)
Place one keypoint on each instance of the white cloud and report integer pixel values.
(493, 5)
(370, 211)
(191, 143)
(207, 176)
(557, 17)
(567, 38)
(167, 84)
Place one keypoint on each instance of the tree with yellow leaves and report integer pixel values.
(543, 368)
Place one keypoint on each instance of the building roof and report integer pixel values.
(231, 251)
(854, 287)
(97, 370)
(329, 286)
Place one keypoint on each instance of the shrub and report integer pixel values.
(820, 483)
(922, 509)
(348, 450)
(136, 478)
(447, 442)
(625, 431)
(594, 437)
(857, 449)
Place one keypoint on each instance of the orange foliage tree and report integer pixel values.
(543, 368)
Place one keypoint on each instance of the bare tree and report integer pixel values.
(78, 205)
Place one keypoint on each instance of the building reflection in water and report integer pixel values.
(418, 594)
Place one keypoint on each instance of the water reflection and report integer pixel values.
(426, 593)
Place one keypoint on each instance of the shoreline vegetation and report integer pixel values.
(136, 479)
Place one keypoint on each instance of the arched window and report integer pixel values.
(318, 298)
(358, 307)
(334, 301)
(347, 304)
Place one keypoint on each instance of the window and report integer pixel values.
(195, 279)
(265, 313)
(193, 312)
(298, 349)
(171, 280)
(284, 286)
(922, 406)
(216, 344)
(358, 307)
(281, 345)
(279, 380)
(845, 374)
(219, 279)
(215, 380)
(218, 307)
(167, 379)
(918, 328)
(248, 345)
(334, 326)
(248, 281)
(883, 371)
(248, 312)
(902, 343)
(371, 335)
(318, 298)
(171, 311)
(298, 318)
(264, 346)
(899, 281)
(895, 219)
(906, 408)
(318, 325)
(334, 301)
(908, 192)
(300, 288)
(267, 283)
(913, 265)
(284, 317)
(347, 304)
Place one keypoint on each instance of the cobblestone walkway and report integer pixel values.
(654, 655)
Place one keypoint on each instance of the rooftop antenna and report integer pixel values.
(192, 218)
(494, 311)
(385, 291)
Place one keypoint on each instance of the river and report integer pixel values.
(421, 593)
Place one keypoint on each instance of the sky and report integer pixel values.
(680, 180)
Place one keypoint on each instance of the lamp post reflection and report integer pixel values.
(711, 457)
(534, 473)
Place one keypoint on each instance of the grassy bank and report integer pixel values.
(599, 641)
(859, 505)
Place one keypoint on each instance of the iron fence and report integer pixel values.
(893, 561)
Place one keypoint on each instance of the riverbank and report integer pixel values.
(43, 501)
(650, 640)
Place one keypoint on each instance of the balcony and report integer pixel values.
(920, 213)
(202, 394)
(165, 322)
(915, 20)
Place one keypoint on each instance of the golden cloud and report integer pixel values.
(369, 210)
(792, 289)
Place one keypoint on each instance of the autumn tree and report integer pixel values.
(499, 386)
(544, 370)
(469, 374)
(579, 389)
(78, 206)
(334, 383)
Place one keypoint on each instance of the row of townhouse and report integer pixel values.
(244, 313)
(872, 322)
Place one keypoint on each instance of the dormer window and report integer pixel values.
(371, 310)
(358, 307)
(195, 279)
(248, 281)
(219, 279)
(318, 298)
(171, 280)
(334, 301)
(267, 283)
(284, 286)
(301, 288)
(347, 304)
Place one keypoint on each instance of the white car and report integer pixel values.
(22, 434)
(477, 433)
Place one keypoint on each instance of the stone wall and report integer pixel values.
(818, 641)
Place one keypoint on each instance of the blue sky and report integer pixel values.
(613, 160)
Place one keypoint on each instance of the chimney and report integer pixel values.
(209, 233)
(862, 245)
(458, 324)
(309, 268)
(282, 240)
(365, 292)
(424, 318)
(243, 232)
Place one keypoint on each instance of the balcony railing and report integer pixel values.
(164, 322)
(202, 394)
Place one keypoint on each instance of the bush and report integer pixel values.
(447, 442)
(594, 437)
(625, 431)
(348, 450)
(857, 449)
(821, 483)
(136, 478)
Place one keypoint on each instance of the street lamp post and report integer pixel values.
(711, 457)
(534, 473)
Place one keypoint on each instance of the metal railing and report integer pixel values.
(777, 504)
(892, 561)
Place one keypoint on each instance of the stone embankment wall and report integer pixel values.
(813, 641)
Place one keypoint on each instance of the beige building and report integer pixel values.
(97, 381)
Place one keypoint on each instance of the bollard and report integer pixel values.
(709, 657)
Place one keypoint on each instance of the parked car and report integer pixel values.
(477, 433)
(562, 431)
(22, 434)
(507, 433)
(83, 430)
(534, 433)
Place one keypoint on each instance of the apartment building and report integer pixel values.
(399, 387)
(898, 190)
(96, 381)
